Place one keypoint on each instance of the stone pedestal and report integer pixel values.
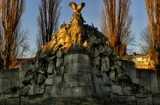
(77, 75)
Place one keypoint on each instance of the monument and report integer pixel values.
(77, 66)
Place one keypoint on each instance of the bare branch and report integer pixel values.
(12, 36)
(153, 34)
(49, 13)
(116, 24)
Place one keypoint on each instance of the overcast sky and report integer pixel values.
(91, 14)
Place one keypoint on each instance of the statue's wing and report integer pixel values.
(80, 6)
(73, 5)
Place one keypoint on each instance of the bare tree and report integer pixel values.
(12, 37)
(146, 39)
(116, 24)
(153, 12)
(49, 12)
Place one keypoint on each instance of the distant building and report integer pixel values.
(18, 61)
(142, 61)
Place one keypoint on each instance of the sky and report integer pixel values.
(91, 14)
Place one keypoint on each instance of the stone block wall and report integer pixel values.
(154, 82)
(158, 77)
(129, 67)
(148, 79)
(8, 78)
(144, 77)
(24, 67)
(159, 84)
(13, 77)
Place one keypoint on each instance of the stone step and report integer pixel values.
(143, 102)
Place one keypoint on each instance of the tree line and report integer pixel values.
(115, 24)
(13, 40)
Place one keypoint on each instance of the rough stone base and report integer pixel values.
(111, 100)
